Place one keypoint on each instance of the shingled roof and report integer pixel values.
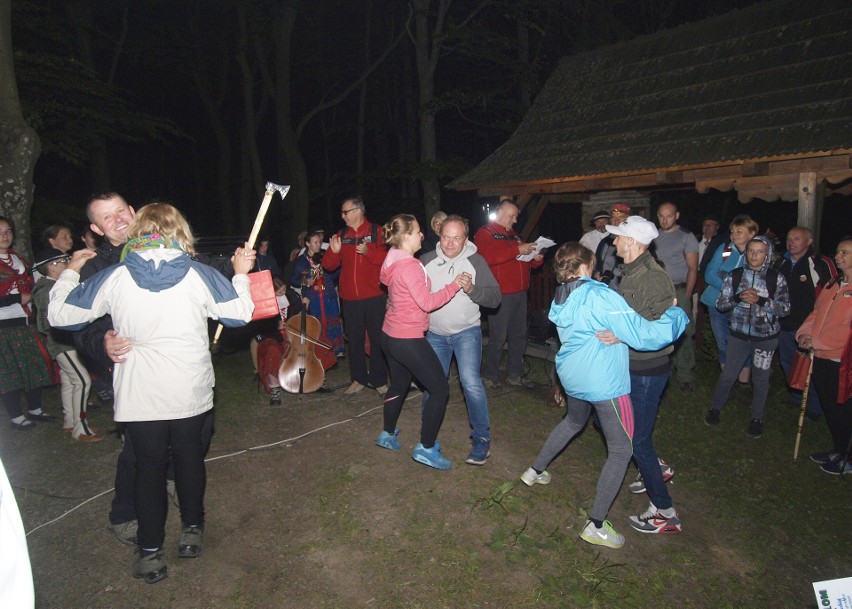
(772, 82)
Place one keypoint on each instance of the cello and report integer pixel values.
(301, 371)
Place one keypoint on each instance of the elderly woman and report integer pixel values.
(826, 331)
(594, 372)
(160, 298)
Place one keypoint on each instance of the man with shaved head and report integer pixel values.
(806, 272)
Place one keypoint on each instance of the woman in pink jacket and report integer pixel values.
(404, 344)
(828, 331)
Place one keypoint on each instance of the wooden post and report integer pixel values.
(811, 194)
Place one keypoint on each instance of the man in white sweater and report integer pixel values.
(454, 329)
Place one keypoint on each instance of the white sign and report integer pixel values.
(834, 593)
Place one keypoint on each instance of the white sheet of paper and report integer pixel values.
(834, 593)
(541, 244)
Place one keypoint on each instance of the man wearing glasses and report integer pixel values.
(359, 251)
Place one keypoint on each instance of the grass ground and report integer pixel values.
(329, 520)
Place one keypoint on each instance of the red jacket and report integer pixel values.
(359, 275)
(499, 247)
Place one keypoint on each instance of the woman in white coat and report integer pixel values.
(160, 298)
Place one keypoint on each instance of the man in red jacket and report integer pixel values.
(500, 245)
(359, 251)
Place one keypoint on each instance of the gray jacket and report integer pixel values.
(462, 312)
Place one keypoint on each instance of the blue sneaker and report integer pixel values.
(431, 456)
(479, 453)
(389, 441)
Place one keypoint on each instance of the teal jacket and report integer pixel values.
(588, 369)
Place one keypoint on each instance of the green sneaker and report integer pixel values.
(604, 536)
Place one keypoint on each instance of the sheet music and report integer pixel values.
(541, 244)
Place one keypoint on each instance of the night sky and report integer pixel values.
(170, 47)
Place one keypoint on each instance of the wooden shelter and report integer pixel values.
(758, 101)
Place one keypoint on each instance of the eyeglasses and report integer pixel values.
(343, 212)
(452, 239)
(65, 260)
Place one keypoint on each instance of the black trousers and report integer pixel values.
(838, 417)
(360, 316)
(415, 356)
(153, 443)
(123, 508)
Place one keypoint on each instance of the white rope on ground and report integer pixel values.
(411, 395)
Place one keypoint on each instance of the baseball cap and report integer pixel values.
(49, 255)
(621, 208)
(603, 214)
(637, 228)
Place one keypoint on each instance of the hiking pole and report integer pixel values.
(804, 405)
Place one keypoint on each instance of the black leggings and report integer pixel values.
(414, 356)
(825, 377)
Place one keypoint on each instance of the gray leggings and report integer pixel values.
(616, 419)
(738, 354)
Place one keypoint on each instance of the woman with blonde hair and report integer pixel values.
(404, 343)
(160, 298)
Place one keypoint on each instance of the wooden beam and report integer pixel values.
(810, 202)
(534, 218)
(751, 169)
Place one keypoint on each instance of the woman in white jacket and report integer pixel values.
(160, 298)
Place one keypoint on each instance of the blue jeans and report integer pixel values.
(467, 347)
(645, 393)
(786, 349)
(720, 324)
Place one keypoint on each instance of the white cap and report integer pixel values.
(636, 227)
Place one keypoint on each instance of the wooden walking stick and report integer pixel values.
(804, 405)
(255, 231)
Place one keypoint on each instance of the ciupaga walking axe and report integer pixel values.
(255, 231)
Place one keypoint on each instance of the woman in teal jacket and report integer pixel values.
(725, 259)
(594, 373)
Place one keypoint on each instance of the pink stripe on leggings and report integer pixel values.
(625, 414)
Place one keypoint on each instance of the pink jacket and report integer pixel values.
(829, 322)
(410, 297)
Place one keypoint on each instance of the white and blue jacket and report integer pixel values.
(588, 369)
(160, 299)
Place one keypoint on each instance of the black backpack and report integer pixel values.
(771, 280)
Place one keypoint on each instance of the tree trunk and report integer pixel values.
(20, 146)
(291, 164)
(427, 50)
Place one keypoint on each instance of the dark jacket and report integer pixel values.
(808, 273)
(648, 290)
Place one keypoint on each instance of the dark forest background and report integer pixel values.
(201, 102)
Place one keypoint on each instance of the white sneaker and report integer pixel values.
(604, 536)
(529, 477)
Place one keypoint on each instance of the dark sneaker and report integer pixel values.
(712, 418)
(125, 532)
(41, 417)
(651, 521)
(837, 467)
(755, 428)
(150, 566)
(190, 542)
(106, 396)
(479, 453)
(686, 388)
(823, 458)
(275, 396)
